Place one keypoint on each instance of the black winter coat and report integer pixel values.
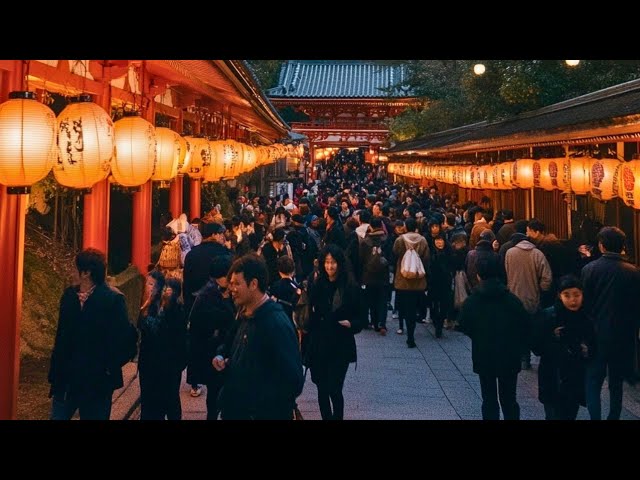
(211, 319)
(611, 298)
(561, 374)
(264, 375)
(497, 323)
(163, 343)
(196, 268)
(92, 344)
(330, 342)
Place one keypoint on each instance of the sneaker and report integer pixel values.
(196, 392)
(395, 315)
(383, 331)
(422, 320)
(411, 344)
(399, 331)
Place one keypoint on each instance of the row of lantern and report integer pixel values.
(84, 145)
(603, 178)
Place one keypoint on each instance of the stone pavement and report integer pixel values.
(434, 381)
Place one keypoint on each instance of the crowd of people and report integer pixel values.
(248, 303)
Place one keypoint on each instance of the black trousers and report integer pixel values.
(504, 387)
(408, 302)
(160, 396)
(376, 303)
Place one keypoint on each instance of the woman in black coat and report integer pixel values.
(440, 279)
(163, 352)
(564, 340)
(334, 300)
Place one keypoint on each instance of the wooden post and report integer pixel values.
(141, 232)
(194, 198)
(175, 196)
(95, 230)
(12, 226)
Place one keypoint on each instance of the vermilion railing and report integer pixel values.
(351, 125)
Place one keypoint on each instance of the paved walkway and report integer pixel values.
(434, 381)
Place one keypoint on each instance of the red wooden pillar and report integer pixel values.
(176, 190)
(141, 232)
(95, 230)
(194, 198)
(312, 161)
(12, 223)
(175, 196)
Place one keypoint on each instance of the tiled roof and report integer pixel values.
(599, 109)
(340, 79)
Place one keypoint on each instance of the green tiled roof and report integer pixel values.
(340, 79)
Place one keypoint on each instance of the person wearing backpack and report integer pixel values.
(375, 275)
(410, 282)
(303, 248)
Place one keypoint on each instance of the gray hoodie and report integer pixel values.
(528, 272)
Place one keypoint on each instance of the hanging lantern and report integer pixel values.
(604, 178)
(580, 175)
(183, 153)
(188, 145)
(85, 144)
(201, 156)
(526, 173)
(168, 154)
(134, 158)
(504, 175)
(630, 183)
(27, 140)
(554, 174)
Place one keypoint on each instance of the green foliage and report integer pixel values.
(456, 97)
(267, 71)
(214, 193)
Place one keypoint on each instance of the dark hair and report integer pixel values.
(371, 198)
(279, 234)
(344, 267)
(285, 265)
(220, 266)
(93, 261)
(536, 225)
(376, 223)
(612, 239)
(352, 223)
(176, 286)
(411, 224)
(252, 267)
(569, 281)
(156, 295)
(488, 267)
(167, 233)
(332, 212)
(365, 216)
(507, 214)
(451, 219)
(521, 226)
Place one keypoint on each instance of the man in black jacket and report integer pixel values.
(496, 322)
(611, 288)
(262, 363)
(93, 341)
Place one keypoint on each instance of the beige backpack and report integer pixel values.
(411, 266)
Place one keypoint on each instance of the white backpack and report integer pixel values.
(411, 265)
